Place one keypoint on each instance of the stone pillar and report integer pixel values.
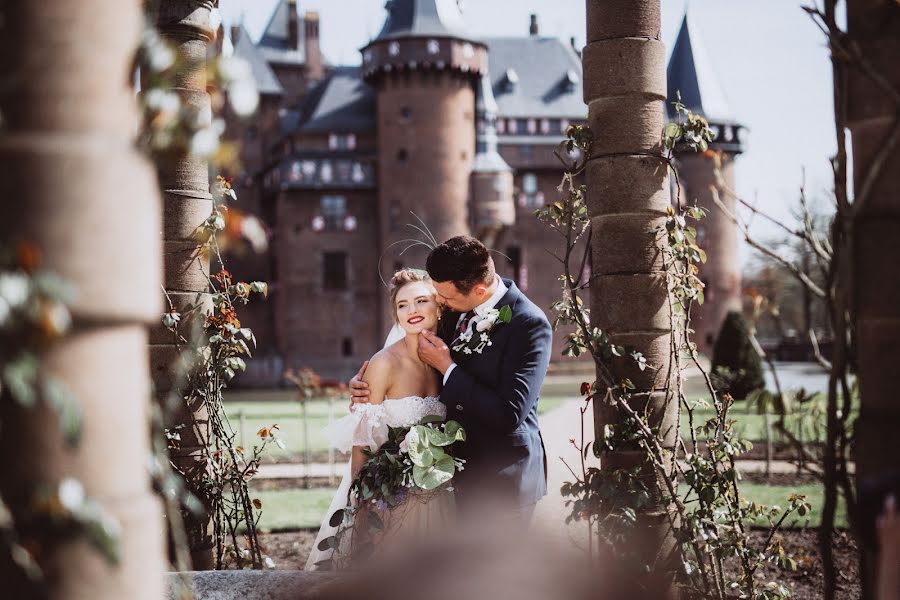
(78, 189)
(628, 195)
(187, 202)
(872, 116)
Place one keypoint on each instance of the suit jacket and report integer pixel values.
(494, 396)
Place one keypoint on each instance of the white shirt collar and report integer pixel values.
(493, 300)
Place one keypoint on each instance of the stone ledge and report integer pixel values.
(253, 585)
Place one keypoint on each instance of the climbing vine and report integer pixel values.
(698, 480)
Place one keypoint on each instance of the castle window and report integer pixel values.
(341, 141)
(513, 126)
(563, 125)
(468, 50)
(545, 126)
(534, 198)
(334, 271)
(394, 48)
(531, 126)
(347, 347)
(334, 210)
(433, 47)
(406, 113)
(501, 126)
(402, 155)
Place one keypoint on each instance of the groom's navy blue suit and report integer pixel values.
(494, 396)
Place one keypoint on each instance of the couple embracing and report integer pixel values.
(461, 383)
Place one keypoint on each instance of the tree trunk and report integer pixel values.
(628, 195)
(187, 202)
(874, 119)
(76, 187)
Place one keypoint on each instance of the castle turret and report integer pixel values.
(424, 67)
(690, 73)
(492, 205)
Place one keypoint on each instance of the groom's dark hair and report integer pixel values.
(463, 260)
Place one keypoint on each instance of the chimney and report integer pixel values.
(315, 70)
(293, 25)
(533, 29)
(235, 34)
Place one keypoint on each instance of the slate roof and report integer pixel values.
(244, 48)
(690, 72)
(543, 67)
(341, 102)
(274, 41)
(423, 18)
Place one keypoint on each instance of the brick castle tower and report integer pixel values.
(690, 74)
(423, 67)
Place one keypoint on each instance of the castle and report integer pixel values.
(438, 125)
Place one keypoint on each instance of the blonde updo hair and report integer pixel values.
(400, 279)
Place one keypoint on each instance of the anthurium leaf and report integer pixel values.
(429, 478)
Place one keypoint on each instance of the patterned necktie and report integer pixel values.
(464, 323)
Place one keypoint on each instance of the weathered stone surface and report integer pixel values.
(627, 243)
(622, 18)
(184, 212)
(625, 67)
(69, 232)
(628, 184)
(636, 130)
(186, 266)
(256, 585)
(629, 303)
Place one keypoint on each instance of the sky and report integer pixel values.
(770, 59)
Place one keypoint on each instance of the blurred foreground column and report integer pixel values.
(187, 203)
(75, 186)
(874, 119)
(628, 194)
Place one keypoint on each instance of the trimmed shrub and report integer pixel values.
(736, 366)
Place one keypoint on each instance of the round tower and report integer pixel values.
(492, 206)
(423, 66)
(690, 74)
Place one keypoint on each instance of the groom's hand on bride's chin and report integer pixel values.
(359, 389)
(433, 351)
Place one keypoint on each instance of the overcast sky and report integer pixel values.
(770, 59)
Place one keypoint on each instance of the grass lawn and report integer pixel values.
(299, 508)
(267, 407)
(293, 509)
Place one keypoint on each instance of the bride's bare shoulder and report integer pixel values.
(381, 365)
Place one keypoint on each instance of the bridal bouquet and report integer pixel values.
(414, 458)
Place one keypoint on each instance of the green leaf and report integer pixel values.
(505, 315)
(429, 478)
(455, 430)
(67, 408)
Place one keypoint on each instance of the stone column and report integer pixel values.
(76, 187)
(184, 180)
(874, 118)
(628, 195)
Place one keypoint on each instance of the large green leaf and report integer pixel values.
(455, 431)
(429, 478)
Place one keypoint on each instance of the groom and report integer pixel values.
(492, 348)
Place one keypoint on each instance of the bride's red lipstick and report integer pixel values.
(415, 320)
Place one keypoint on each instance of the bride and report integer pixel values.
(404, 390)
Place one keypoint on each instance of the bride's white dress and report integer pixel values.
(422, 514)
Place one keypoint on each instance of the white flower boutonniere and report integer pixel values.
(478, 336)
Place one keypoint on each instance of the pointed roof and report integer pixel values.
(423, 18)
(265, 79)
(487, 158)
(690, 72)
(274, 42)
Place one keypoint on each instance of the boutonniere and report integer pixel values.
(478, 336)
